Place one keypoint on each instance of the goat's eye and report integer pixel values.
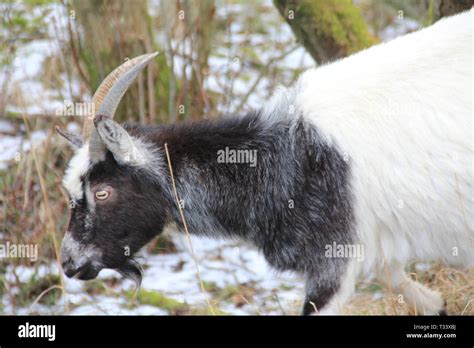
(102, 195)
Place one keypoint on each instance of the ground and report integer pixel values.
(236, 278)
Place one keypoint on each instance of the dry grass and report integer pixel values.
(456, 287)
(33, 201)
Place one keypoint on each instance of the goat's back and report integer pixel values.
(401, 112)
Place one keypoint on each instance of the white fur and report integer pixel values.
(77, 167)
(150, 158)
(402, 113)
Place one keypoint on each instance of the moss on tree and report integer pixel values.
(329, 29)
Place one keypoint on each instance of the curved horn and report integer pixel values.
(107, 97)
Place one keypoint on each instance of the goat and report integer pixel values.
(373, 151)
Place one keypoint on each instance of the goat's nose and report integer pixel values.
(66, 262)
(68, 266)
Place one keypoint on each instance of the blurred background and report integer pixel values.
(216, 57)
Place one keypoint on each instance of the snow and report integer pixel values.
(11, 146)
(24, 273)
(224, 263)
(399, 27)
(6, 127)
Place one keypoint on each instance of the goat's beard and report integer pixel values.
(132, 270)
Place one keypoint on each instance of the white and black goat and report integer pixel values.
(375, 150)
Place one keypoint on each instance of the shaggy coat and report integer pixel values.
(372, 153)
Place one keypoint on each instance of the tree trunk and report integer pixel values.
(204, 30)
(110, 32)
(328, 29)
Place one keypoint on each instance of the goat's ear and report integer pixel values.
(117, 140)
(73, 139)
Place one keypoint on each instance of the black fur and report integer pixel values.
(294, 164)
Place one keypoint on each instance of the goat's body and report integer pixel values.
(278, 205)
(374, 150)
(402, 112)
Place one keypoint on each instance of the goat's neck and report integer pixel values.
(223, 171)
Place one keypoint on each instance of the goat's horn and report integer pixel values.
(107, 97)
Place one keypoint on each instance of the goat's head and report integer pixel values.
(115, 209)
